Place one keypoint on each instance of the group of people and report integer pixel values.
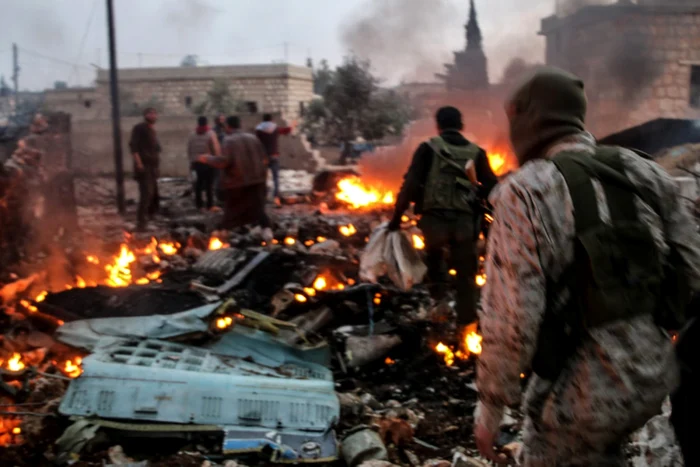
(225, 160)
(593, 258)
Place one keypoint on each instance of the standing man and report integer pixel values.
(220, 127)
(203, 142)
(584, 249)
(243, 178)
(268, 133)
(438, 184)
(145, 150)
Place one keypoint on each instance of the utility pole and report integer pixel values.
(15, 73)
(116, 118)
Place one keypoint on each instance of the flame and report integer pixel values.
(169, 248)
(348, 230)
(16, 431)
(418, 242)
(225, 322)
(41, 297)
(453, 272)
(92, 259)
(80, 282)
(72, 368)
(321, 239)
(28, 306)
(389, 361)
(15, 363)
(119, 273)
(405, 218)
(309, 243)
(358, 195)
(310, 291)
(320, 283)
(300, 298)
(447, 353)
(216, 244)
(289, 241)
(151, 276)
(488, 218)
(481, 280)
(472, 341)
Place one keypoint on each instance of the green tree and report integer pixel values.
(5, 90)
(322, 77)
(189, 61)
(219, 99)
(354, 105)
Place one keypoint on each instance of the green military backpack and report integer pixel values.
(618, 272)
(447, 186)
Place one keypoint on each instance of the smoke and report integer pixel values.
(404, 39)
(631, 64)
(191, 19)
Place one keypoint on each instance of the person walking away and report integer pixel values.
(268, 133)
(243, 179)
(438, 185)
(145, 150)
(586, 244)
(203, 141)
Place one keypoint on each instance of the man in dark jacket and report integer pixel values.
(203, 141)
(145, 150)
(243, 177)
(446, 199)
(268, 133)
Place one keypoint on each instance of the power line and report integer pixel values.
(52, 59)
(85, 35)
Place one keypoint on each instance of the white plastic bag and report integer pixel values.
(392, 254)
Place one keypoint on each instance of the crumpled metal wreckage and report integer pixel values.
(261, 393)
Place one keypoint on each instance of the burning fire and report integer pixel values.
(418, 242)
(119, 272)
(355, 193)
(320, 283)
(501, 162)
(447, 353)
(481, 280)
(290, 241)
(348, 230)
(471, 344)
(389, 361)
(72, 368)
(216, 244)
(225, 322)
(14, 364)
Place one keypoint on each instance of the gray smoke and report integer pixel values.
(191, 19)
(404, 39)
(631, 64)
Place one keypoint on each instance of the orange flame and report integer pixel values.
(72, 368)
(472, 342)
(120, 273)
(348, 230)
(225, 322)
(481, 280)
(41, 297)
(501, 162)
(358, 195)
(320, 283)
(289, 241)
(418, 242)
(92, 259)
(389, 361)
(15, 363)
(216, 244)
(169, 248)
(447, 353)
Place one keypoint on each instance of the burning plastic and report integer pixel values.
(356, 194)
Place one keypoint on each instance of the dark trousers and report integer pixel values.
(455, 234)
(206, 176)
(245, 205)
(149, 199)
(275, 170)
(685, 401)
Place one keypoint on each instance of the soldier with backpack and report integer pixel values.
(446, 198)
(591, 256)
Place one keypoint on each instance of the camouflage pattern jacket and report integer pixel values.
(621, 374)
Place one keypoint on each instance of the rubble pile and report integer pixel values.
(185, 297)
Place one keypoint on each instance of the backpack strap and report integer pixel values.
(462, 177)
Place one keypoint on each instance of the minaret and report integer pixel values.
(469, 70)
(474, 40)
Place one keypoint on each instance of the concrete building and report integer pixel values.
(640, 61)
(276, 88)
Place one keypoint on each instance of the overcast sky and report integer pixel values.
(63, 40)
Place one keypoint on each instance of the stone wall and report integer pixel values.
(636, 61)
(274, 88)
(93, 147)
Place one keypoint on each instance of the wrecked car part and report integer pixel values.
(286, 447)
(360, 351)
(361, 445)
(243, 273)
(219, 264)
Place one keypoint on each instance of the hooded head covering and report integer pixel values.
(548, 105)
